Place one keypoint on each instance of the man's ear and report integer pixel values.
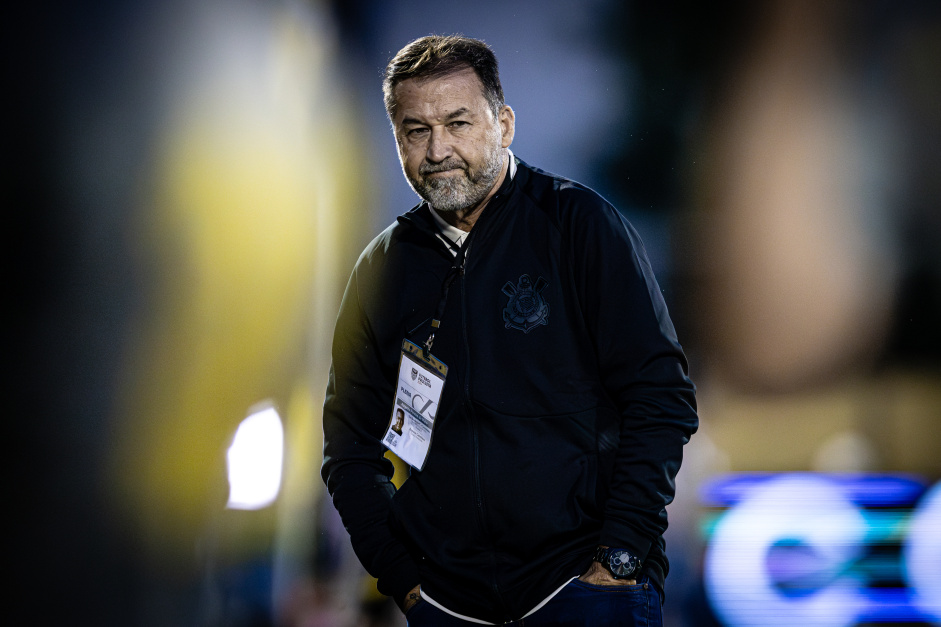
(507, 125)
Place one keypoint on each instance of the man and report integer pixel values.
(399, 421)
(514, 315)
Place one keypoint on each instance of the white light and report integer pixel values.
(254, 461)
(923, 554)
(808, 510)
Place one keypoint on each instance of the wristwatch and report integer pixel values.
(621, 563)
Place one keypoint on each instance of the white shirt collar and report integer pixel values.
(512, 170)
(453, 233)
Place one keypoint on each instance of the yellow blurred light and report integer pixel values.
(255, 461)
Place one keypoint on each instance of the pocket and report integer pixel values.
(539, 479)
(634, 588)
(632, 603)
(412, 611)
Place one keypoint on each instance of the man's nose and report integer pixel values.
(439, 146)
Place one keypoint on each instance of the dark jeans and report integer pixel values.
(579, 604)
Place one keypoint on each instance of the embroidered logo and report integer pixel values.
(526, 309)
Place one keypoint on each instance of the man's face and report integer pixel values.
(450, 144)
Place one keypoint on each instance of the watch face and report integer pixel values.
(622, 563)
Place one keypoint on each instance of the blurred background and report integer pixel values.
(188, 184)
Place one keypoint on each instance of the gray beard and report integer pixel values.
(456, 193)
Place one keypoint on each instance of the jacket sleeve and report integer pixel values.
(644, 371)
(358, 477)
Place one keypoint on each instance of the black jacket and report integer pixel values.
(563, 416)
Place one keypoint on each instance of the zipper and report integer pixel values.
(478, 491)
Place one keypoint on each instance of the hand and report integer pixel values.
(598, 575)
(413, 597)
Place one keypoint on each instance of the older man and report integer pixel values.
(514, 318)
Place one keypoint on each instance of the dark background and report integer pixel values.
(165, 163)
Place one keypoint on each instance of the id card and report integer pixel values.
(421, 381)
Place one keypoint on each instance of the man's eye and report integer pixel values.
(416, 132)
(459, 124)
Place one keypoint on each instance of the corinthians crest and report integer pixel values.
(526, 309)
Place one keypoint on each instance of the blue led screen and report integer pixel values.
(823, 550)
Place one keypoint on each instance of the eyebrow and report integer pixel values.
(454, 114)
(458, 113)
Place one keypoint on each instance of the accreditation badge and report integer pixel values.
(417, 395)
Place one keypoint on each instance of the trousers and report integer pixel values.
(578, 604)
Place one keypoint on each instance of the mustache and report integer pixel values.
(448, 164)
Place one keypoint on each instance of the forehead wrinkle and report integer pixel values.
(458, 113)
(429, 95)
(449, 116)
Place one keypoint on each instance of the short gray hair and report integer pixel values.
(439, 55)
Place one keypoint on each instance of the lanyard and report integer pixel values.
(456, 269)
